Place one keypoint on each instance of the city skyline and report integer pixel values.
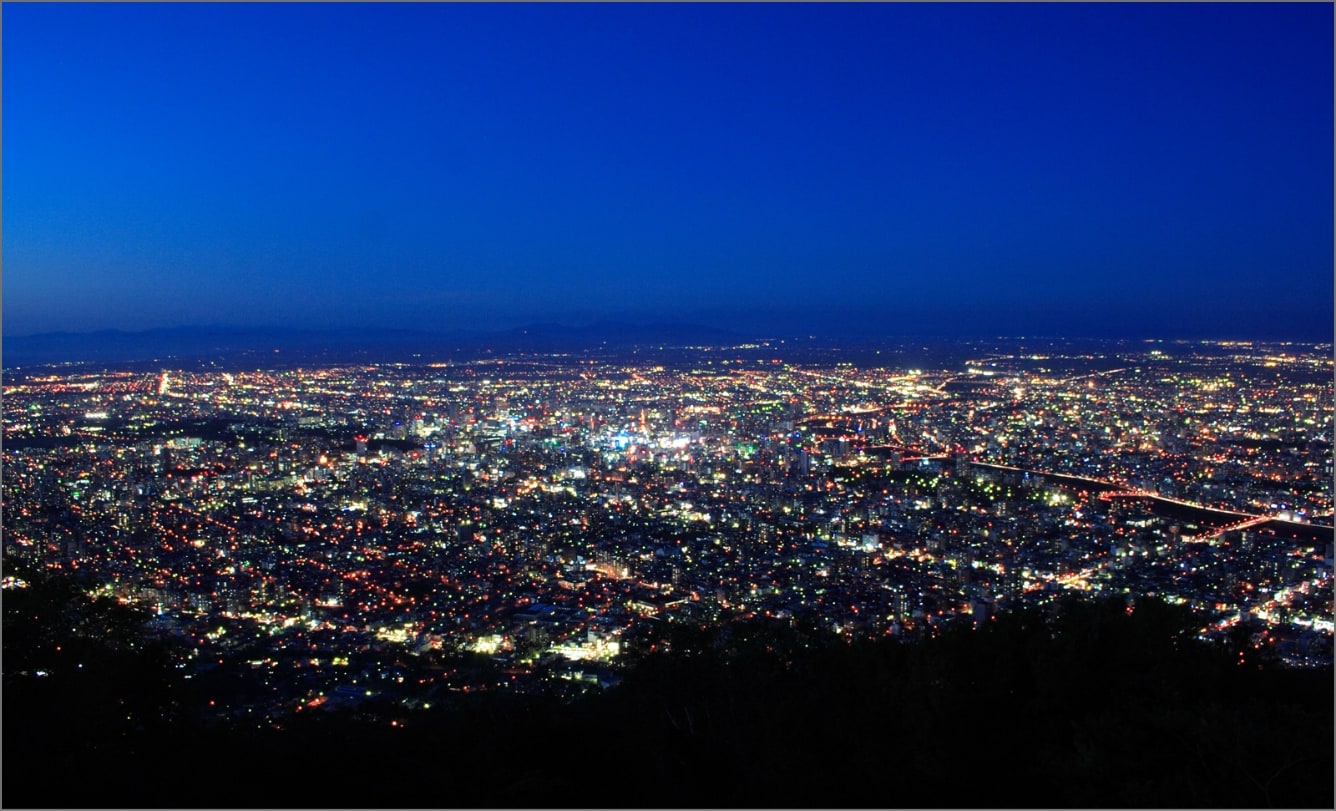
(1123, 170)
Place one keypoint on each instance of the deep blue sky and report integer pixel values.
(1138, 169)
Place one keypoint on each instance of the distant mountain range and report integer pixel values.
(222, 343)
(252, 347)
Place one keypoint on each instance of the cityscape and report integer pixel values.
(376, 538)
(549, 510)
(668, 405)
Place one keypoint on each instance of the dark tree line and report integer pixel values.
(1088, 704)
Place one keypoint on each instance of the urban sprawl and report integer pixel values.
(378, 536)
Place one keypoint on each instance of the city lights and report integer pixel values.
(553, 510)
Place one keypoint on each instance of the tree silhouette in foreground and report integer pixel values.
(1087, 704)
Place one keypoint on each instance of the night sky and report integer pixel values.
(1095, 170)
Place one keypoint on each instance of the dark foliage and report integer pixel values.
(1092, 704)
